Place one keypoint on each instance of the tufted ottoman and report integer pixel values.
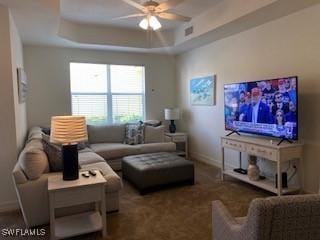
(148, 172)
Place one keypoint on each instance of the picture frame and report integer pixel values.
(202, 91)
(22, 85)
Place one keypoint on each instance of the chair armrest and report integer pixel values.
(225, 226)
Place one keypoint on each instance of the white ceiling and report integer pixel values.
(88, 23)
(102, 12)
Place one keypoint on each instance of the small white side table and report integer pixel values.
(70, 193)
(179, 138)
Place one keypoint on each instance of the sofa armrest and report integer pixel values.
(225, 226)
(18, 175)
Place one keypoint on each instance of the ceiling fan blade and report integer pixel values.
(129, 16)
(167, 5)
(135, 4)
(172, 16)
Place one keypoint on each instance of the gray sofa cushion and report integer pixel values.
(114, 150)
(157, 147)
(106, 133)
(153, 134)
(33, 160)
(114, 182)
(88, 157)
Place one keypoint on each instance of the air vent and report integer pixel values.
(188, 31)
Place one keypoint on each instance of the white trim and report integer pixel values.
(209, 160)
(205, 159)
(9, 206)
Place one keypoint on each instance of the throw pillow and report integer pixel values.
(154, 134)
(34, 133)
(33, 160)
(153, 123)
(134, 134)
(46, 130)
(82, 145)
(54, 153)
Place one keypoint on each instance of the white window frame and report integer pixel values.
(109, 94)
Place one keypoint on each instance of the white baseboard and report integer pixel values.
(9, 206)
(205, 159)
(209, 160)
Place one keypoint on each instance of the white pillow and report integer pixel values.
(153, 134)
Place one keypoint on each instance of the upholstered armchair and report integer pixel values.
(274, 218)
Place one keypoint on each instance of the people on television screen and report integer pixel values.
(279, 103)
(244, 108)
(291, 116)
(268, 90)
(292, 91)
(242, 99)
(279, 118)
(257, 112)
(282, 86)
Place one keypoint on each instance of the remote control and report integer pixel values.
(92, 173)
(86, 175)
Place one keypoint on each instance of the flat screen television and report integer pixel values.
(264, 107)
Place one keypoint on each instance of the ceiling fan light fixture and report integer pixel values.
(150, 22)
(154, 23)
(144, 24)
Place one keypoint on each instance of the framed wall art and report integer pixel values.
(202, 91)
(22, 85)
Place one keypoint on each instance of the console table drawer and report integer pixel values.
(77, 196)
(179, 138)
(262, 152)
(233, 144)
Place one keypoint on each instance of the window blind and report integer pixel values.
(108, 93)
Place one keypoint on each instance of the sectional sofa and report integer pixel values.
(104, 151)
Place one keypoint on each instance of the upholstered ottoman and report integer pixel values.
(148, 172)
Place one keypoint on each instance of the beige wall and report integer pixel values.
(49, 79)
(287, 46)
(12, 120)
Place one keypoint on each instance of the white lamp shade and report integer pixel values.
(144, 24)
(68, 129)
(171, 113)
(154, 23)
(150, 22)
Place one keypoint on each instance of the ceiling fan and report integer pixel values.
(150, 10)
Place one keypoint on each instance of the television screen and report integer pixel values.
(265, 107)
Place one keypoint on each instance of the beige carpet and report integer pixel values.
(177, 213)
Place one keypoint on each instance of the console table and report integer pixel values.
(266, 149)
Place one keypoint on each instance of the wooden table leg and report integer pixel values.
(222, 167)
(279, 180)
(103, 212)
(52, 216)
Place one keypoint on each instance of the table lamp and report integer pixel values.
(172, 114)
(69, 131)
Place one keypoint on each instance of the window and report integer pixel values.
(107, 93)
